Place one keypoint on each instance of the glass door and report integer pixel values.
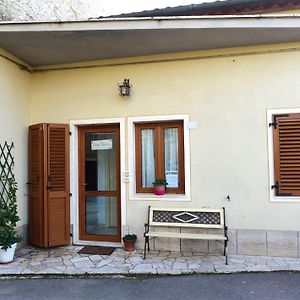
(99, 183)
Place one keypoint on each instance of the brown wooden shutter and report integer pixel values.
(58, 184)
(37, 190)
(286, 139)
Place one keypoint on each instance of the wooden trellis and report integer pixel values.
(6, 169)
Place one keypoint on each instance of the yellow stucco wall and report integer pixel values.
(228, 96)
(14, 121)
(288, 12)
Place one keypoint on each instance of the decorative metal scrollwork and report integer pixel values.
(164, 216)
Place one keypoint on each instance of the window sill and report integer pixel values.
(285, 199)
(166, 197)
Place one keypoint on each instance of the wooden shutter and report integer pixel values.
(37, 191)
(286, 139)
(58, 184)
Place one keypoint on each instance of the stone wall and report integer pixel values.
(243, 242)
(49, 10)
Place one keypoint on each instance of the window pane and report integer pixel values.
(171, 157)
(148, 161)
(101, 215)
(100, 161)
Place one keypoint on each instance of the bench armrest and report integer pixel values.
(146, 226)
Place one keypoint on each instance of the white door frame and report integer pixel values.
(74, 177)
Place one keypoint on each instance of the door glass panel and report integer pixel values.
(148, 160)
(171, 157)
(101, 215)
(100, 161)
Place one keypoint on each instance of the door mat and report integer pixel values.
(97, 250)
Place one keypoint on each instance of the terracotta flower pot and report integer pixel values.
(159, 190)
(129, 245)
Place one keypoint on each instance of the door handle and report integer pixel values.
(84, 184)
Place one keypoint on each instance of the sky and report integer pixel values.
(111, 7)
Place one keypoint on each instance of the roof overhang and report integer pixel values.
(42, 44)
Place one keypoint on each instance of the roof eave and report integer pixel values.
(49, 43)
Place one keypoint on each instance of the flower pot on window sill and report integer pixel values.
(159, 190)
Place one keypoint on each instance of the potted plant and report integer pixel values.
(159, 186)
(129, 242)
(8, 221)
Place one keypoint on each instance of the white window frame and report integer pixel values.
(273, 197)
(133, 195)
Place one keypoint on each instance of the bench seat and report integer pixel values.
(161, 218)
(182, 235)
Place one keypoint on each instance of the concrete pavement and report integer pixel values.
(67, 260)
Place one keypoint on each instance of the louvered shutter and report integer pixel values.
(58, 184)
(37, 190)
(286, 139)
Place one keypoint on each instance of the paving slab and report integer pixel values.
(67, 261)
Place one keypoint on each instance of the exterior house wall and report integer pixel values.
(228, 96)
(14, 120)
(288, 12)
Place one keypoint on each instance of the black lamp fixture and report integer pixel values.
(125, 88)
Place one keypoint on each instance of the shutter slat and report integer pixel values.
(295, 138)
(290, 146)
(290, 173)
(289, 135)
(286, 138)
(287, 121)
(292, 127)
(286, 152)
(287, 180)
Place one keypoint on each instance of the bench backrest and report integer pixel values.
(193, 217)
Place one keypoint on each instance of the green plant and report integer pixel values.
(130, 237)
(160, 182)
(9, 216)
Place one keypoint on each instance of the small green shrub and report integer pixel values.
(130, 237)
(9, 217)
(160, 182)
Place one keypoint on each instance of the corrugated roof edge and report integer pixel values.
(220, 4)
(140, 19)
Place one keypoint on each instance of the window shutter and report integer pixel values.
(58, 184)
(36, 178)
(286, 140)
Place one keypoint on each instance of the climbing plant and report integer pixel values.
(8, 198)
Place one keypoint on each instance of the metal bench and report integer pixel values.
(185, 218)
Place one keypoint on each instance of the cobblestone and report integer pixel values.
(66, 260)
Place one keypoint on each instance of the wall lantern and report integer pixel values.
(125, 88)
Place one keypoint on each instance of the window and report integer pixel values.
(286, 148)
(160, 155)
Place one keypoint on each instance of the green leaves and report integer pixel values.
(8, 198)
(9, 216)
(160, 182)
(129, 237)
